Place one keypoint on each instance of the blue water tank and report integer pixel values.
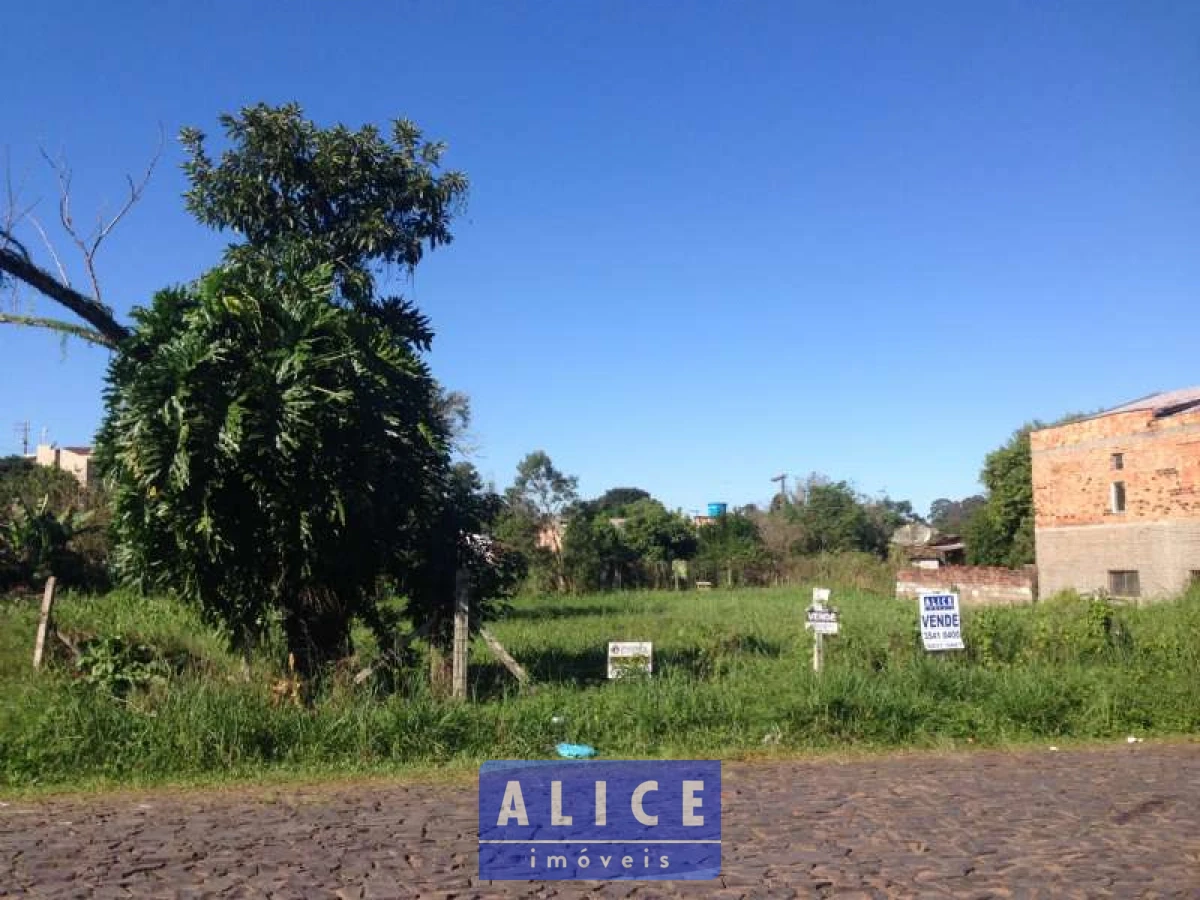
(716, 509)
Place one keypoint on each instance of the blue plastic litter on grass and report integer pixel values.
(576, 751)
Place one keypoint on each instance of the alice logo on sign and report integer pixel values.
(600, 820)
(940, 611)
(941, 622)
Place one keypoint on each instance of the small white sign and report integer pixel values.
(941, 622)
(821, 621)
(630, 656)
(820, 596)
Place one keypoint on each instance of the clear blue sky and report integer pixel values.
(706, 243)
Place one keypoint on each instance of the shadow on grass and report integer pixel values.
(489, 679)
(562, 612)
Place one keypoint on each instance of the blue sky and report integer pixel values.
(706, 242)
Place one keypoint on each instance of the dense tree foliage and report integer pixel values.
(635, 547)
(614, 501)
(351, 199)
(274, 439)
(951, 516)
(730, 550)
(1000, 532)
(828, 516)
(50, 525)
(269, 450)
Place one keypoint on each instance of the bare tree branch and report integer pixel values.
(58, 325)
(16, 261)
(19, 266)
(13, 214)
(89, 245)
(62, 272)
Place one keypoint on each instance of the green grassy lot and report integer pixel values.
(732, 677)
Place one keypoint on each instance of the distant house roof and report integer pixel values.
(1162, 404)
(79, 451)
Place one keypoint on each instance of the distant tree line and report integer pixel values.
(626, 538)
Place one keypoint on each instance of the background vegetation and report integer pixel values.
(153, 695)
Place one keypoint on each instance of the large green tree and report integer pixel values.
(833, 519)
(951, 516)
(536, 516)
(1000, 531)
(730, 548)
(273, 437)
(269, 451)
(353, 199)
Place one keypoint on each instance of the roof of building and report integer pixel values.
(79, 451)
(1165, 403)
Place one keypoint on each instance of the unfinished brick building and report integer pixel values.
(1117, 499)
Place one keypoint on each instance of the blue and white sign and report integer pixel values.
(941, 622)
(634, 820)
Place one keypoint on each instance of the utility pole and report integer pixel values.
(782, 479)
(22, 430)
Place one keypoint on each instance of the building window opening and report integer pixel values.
(1118, 460)
(1124, 583)
(1118, 497)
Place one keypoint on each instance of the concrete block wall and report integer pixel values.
(1164, 554)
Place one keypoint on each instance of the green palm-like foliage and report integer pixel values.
(268, 449)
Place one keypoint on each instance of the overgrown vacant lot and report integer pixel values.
(156, 698)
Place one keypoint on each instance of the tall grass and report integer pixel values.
(732, 675)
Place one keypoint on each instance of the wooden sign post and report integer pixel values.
(820, 621)
(39, 648)
(462, 605)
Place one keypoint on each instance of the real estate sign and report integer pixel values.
(821, 621)
(625, 657)
(941, 622)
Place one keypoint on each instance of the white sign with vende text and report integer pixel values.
(630, 656)
(941, 622)
(821, 621)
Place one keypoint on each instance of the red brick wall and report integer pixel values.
(973, 584)
(1073, 474)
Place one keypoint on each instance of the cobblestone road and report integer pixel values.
(1120, 822)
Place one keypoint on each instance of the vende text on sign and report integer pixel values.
(941, 622)
(821, 621)
(625, 657)
(628, 820)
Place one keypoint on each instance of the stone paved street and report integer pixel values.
(1115, 822)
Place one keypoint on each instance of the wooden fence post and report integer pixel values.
(462, 600)
(44, 622)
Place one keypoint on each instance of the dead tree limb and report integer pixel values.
(80, 331)
(89, 245)
(17, 263)
(20, 267)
